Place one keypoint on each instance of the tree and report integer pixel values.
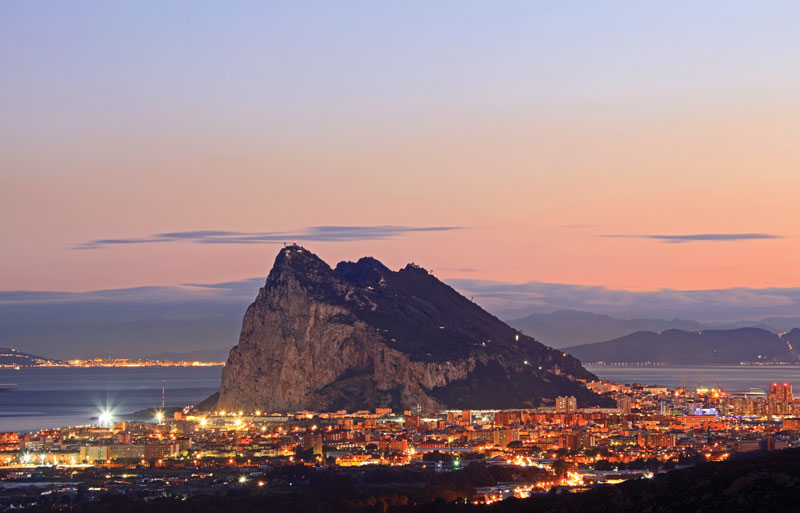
(560, 467)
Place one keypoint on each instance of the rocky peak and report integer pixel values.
(296, 269)
(295, 259)
(367, 271)
(362, 335)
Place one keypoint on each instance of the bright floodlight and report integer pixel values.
(160, 416)
(104, 418)
(242, 479)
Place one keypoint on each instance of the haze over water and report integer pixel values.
(732, 378)
(56, 397)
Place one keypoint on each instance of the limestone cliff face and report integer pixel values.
(363, 336)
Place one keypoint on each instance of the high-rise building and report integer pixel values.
(781, 392)
(566, 404)
(313, 442)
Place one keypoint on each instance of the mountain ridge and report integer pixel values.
(565, 328)
(569, 327)
(701, 347)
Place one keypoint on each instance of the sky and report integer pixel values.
(633, 146)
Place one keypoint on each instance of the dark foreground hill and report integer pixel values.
(361, 336)
(701, 347)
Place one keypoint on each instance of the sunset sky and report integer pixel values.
(630, 145)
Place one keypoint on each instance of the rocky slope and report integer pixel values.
(362, 336)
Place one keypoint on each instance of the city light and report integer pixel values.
(667, 426)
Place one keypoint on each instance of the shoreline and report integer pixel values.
(131, 364)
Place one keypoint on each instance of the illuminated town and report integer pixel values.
(10, 359)
(532, 451)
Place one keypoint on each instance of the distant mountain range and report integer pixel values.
(565, 328)
(694, 347)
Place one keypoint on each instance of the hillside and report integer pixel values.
(12, 357)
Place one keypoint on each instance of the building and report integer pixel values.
(566, 404)
(411, 422)
(791, 424)
(576, 441)
(94, 453)
(624, 403)
(506, 418)
(313, 442)
(503, 437)
(453, 416)
(781, 393)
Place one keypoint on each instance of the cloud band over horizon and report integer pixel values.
(507, 300)
(312, 233)
(697, 237)
(139, 321)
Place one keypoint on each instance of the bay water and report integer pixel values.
(48, 397)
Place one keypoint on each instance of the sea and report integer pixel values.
(731, 378)
(50, 397)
